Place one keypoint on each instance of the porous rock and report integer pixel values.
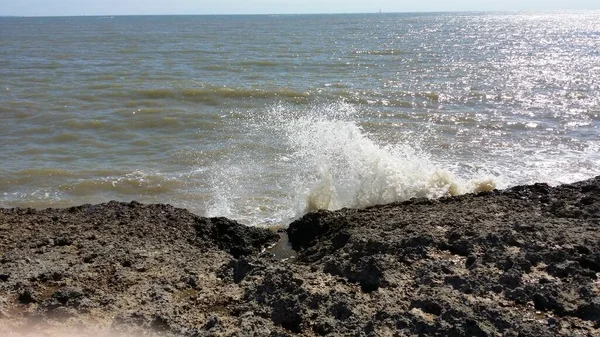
(518, 262)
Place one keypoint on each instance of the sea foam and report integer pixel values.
(326, 160)
(340, 165)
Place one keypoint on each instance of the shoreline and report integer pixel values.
(521, 261)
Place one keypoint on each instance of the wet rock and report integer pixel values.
(234, 238)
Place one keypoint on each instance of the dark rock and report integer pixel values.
(234, 238)
(518, 262)
(159, 323)
(287, 313)
(191, 280)
(590, 310)
(63, 241)
(66, 302)
(368, 272)
(237, 269)
(51, 276)
(590, 261)
(28, 296)
(90, 258)
(211, 323)
(341, 310)
(68, 296)
(511, 280)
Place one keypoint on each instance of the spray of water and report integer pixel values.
(340, 165)
(325, 160)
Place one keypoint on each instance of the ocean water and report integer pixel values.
(263, 118)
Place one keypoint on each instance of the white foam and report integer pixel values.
(340, 165)
(323, 160)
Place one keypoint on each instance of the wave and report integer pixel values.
(259, 63)
(325, 161)
(214, 94)
(137, 183)
(83, 185)
(217, 95)
(342, 166)
(86, 124)
(379, 52)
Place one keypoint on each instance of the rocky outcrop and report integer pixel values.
(118, 267)
(523, 261)
(519, 262)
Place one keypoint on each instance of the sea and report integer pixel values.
(262, 118)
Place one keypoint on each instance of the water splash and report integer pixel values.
(341, 165)
(323, 160)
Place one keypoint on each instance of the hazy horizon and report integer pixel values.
(36, 8)
(293, 14)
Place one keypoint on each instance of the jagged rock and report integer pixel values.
(519, 262)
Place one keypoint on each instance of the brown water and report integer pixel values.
(261, 118)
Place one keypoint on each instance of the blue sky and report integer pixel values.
(133, 7)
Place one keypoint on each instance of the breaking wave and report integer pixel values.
(340, 165)
(327, 161)
(215, 94)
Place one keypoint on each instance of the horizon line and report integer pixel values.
(298, 14)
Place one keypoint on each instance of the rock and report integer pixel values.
(234, 238)
(28, 296)
(518, 262)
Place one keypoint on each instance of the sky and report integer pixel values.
(153, 7)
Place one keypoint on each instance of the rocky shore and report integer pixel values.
(519, 262)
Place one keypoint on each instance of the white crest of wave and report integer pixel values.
(319, 157)
(339, 165)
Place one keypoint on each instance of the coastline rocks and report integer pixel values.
(517, 262)
(520, 262)
(121, 267)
